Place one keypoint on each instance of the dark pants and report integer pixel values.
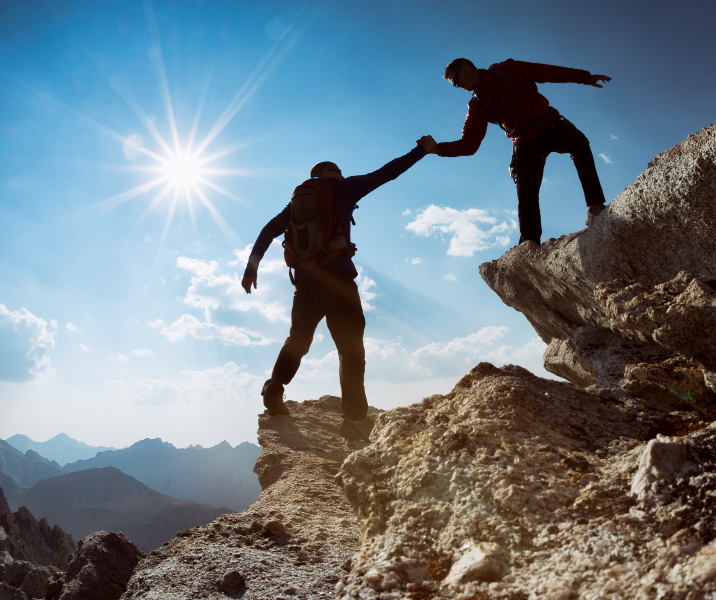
(528, 166)
(334, 296)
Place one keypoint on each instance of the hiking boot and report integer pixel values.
(592, 212)
(356, 430)
(272, 393)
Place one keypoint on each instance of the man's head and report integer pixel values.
(462, 73)
(327, 169)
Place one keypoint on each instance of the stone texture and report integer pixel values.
(35, 582)
(101, 568)
(528, 482)
(294, 542)
(8, 592)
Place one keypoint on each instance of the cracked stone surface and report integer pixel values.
(513, 486)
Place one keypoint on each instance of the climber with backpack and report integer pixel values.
(316, 226)
(506, 95)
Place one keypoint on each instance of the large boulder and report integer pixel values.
(636, 288)
(101, 568)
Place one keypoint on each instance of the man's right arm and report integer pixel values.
(473, 132)
(274, 228)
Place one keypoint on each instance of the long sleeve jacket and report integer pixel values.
(346, 194)
(518, 109)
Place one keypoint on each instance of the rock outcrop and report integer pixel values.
(101, 568)
(631, 301)
(296, 540)
(513, 486)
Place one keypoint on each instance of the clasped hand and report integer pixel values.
(427, 142)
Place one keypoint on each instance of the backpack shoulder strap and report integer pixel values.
(502, 75)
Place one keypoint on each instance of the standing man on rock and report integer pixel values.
(327, 289)
(506, 94)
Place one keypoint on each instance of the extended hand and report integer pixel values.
(246, 283)
(427, 142)
(597, 78)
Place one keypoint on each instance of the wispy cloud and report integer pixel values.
(71, 327)
(118, 357)
(25, 340)
(406, 212)
(470, 345)
(450, 277)
(605, 158)
(143, 352)
(416, 261)
(188, 325)
(613, 137)
(470, 230)
(84, 348)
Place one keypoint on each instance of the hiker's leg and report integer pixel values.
(566, 138)
(306, 313)
(345, 321)
(527, 170)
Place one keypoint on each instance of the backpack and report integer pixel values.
(314, 236)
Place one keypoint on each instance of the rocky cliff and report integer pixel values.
(631, 301)
(512, 487)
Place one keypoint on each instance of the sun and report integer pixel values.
(183, 171)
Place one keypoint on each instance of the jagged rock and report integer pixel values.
(15, 572)
(55, 585)
(101, 568)
(560, 358)
(24, 538)
(528, 481)
(293, 541)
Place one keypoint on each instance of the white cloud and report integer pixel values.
(469, 345)
(613, 137)
(462, 225)
(71, 327)
(605, 158)
(24, 343)
(318, 338)
(84, 348)
(118, 357)
(266, 266)
(416, 261)
(364, 284)
(214, 385)
(144, 352)
(450, 277)
(156, 324)
(200, 268)
(407, 211)
(316, 369)
(188, 325)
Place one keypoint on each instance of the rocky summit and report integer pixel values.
(511, 486)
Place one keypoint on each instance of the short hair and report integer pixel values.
(317, 169)
(455, 66)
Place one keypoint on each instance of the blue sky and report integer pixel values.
(118, 322)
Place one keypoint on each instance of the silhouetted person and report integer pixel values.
(506, 94)
(328, 291)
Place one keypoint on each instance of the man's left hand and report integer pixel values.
(597, 78)
(427, 142)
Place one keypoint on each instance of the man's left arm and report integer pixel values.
(541, 73)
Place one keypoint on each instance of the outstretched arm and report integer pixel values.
(473, 132)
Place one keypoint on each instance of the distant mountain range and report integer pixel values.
(62, 448)
(219, 476)
(107, 499)
(26, 469)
